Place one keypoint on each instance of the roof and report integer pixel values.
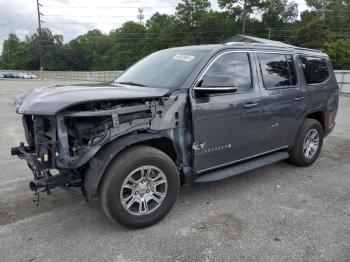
(255, 41)
(252, 39)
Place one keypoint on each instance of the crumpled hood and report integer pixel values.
(51, 100)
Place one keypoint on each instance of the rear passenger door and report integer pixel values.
(283, 99)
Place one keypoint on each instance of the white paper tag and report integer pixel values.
(186, 58)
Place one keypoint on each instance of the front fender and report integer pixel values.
(99, 163)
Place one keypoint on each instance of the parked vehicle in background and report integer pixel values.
(33, 76)
(1, 75)
(8, 75)
(18, 75)
(25, 75)
(181, 115)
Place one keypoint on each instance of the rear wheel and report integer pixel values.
(139, 187)
(308, 143)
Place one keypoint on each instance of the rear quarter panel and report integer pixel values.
(321, 97)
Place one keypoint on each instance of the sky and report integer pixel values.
(74, 17)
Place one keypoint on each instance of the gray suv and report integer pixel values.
(181, 115)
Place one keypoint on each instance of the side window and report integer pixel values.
(236, 65)
(315, 69)
(278, 70)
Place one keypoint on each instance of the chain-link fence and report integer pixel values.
(98, 76)
(343, 79)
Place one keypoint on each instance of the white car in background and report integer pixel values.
(27, 76)
(33, 76)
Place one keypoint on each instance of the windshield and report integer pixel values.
(163, 69)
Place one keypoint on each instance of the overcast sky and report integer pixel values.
(74, 17)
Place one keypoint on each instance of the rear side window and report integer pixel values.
(236, 65)
(315, 69)
(278, 70)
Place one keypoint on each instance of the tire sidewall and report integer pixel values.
(310, 125)
(122, 170)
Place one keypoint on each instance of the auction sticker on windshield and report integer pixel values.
(187, 58)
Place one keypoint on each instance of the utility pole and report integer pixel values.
(323, 9)
(140, 15)
(244, 17)
(38, 5)
(270, 31)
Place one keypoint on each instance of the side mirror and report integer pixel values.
(212, 84)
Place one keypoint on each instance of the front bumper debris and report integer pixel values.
(43, 181)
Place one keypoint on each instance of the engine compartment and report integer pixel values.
(67, 141)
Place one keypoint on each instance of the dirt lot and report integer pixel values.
(277, 213)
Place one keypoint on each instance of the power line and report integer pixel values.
(178, 33)
(110, 7)
(157, 38)
(206, 32)
(329, 10)
(82, 23)
(97, 16)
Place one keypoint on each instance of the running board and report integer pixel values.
(242, 167)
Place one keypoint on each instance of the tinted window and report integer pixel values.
(277, 70)
(315, 69)
(236, 65)
(164, 69)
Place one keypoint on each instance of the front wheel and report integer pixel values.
(308, 143)
(139, 187)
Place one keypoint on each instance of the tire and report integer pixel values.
(129, 166)
(298, 154)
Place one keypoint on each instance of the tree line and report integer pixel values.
(325, 25)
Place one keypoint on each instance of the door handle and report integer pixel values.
(250, 104)
(298, 98)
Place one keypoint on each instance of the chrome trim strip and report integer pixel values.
(240, 160)
(215, 88)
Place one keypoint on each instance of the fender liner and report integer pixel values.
(100, 162)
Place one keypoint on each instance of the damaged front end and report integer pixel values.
(41, 154)
(40, 133)
(59, 147)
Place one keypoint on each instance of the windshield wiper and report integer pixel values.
(130, 83)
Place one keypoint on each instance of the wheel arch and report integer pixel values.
(100, 162)
(318, 115)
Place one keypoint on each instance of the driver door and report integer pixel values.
(227, 126)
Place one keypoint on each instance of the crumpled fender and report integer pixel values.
(99, 163)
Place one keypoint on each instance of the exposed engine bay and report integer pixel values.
(65, 143)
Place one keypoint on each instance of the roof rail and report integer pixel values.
(285, 46)
(307, 49)
(277, 45)
(237, 43)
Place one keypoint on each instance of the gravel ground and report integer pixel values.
(276, 213)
